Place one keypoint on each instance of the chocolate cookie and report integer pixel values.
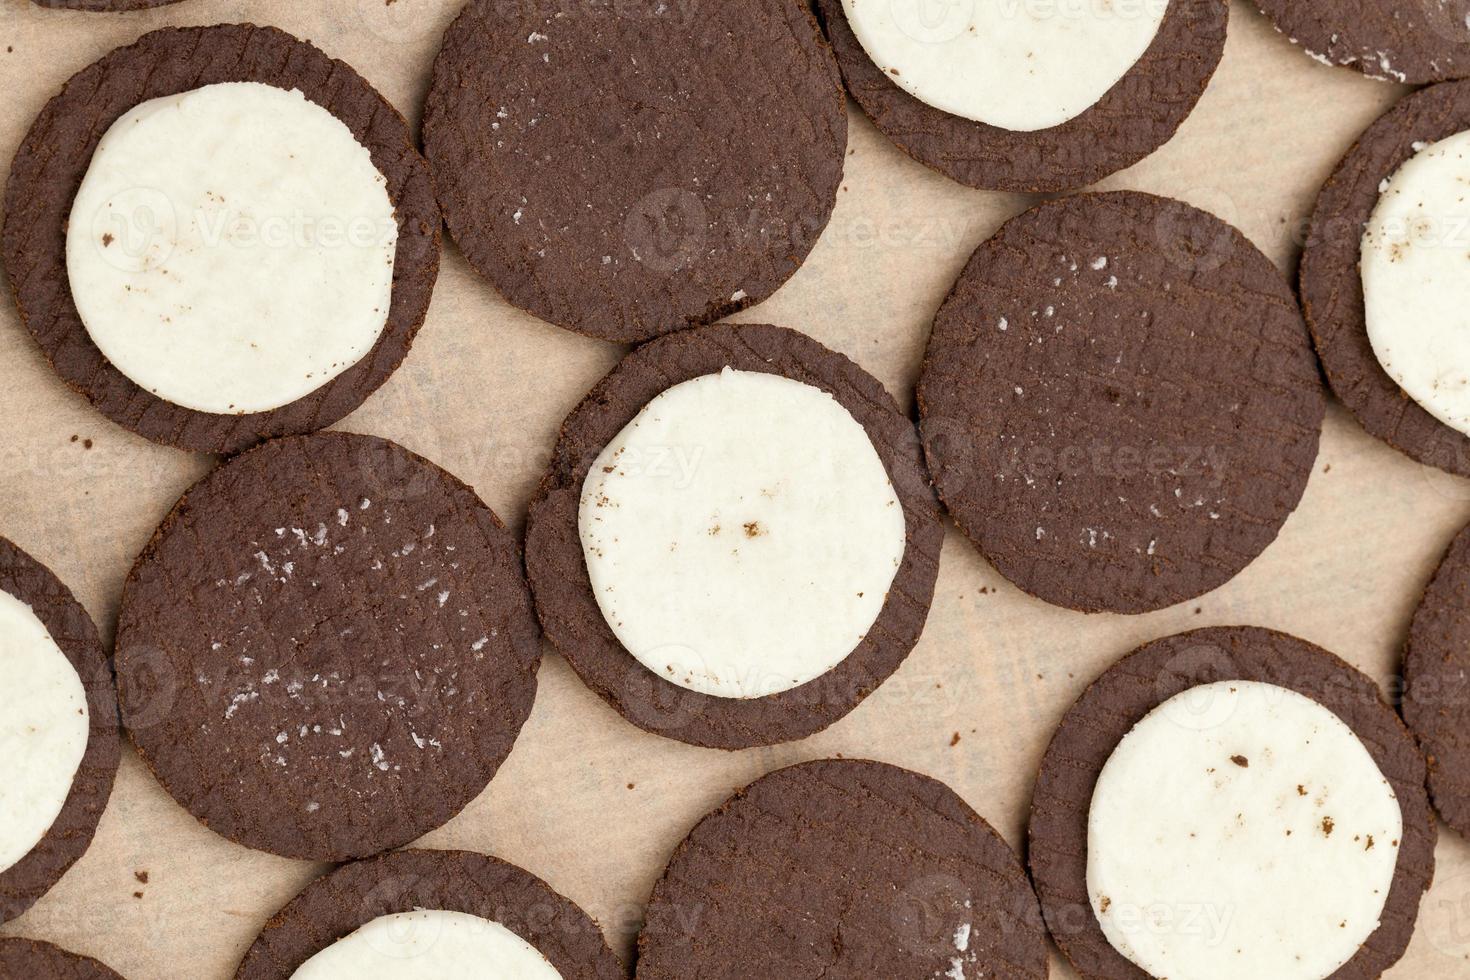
(633, 168)
(328, 648)
(1332, 286)
(569, 609)
(56, 153)
(1109, 709)
(103, 6)
(70, 834)
(1435, 702)
(1424, 41)
(43, 961)
(1136, 116)
(1119, 402)
(843, 869)
(338, 903)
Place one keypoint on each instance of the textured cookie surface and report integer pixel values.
(1119, 402)
(558, 571)
(1437, 694)
(55, 155)
(1332, 285)
(103, 6)
(337, 904)
(43, 961)
(22, 884)
(1128, 691)
(843, 869)
(1420, 42)
(1137, 116)
(627, 169)
(328, 648)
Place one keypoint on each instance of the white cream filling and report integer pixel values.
(741, 534)
(429, 944)
(1241, 830)
(1022, 65)
(43, 729)
(1416, 279)
(231, 248)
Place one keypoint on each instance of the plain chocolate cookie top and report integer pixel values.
(626, 168)
(55, 156)
(1437, 684)
(74, 633)
(36, 960)
(843, 870)
(1119, 402)
(103, 6)
(339, 903)
(1416, 42)
(328, 648)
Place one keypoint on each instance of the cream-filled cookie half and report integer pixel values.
(1021, 65)
(741, 534)
(43, 729)
(1241, 829)
(429, 944)
(1416, 279)
(231, 248)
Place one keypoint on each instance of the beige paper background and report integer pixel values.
(587, 801)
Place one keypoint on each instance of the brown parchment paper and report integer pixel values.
(587, 801)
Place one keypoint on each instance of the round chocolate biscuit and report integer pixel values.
(1436, 701)
(1137, 115)
(630, 169)
(337, 904)
(43, 961)
(103, 6)
(843, 869)
(56, 153)
(569, 610)
(1128, 691)
(328, 648)
(1332, 284)
(1119, 402)
(1415, 41)
(70, 834)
